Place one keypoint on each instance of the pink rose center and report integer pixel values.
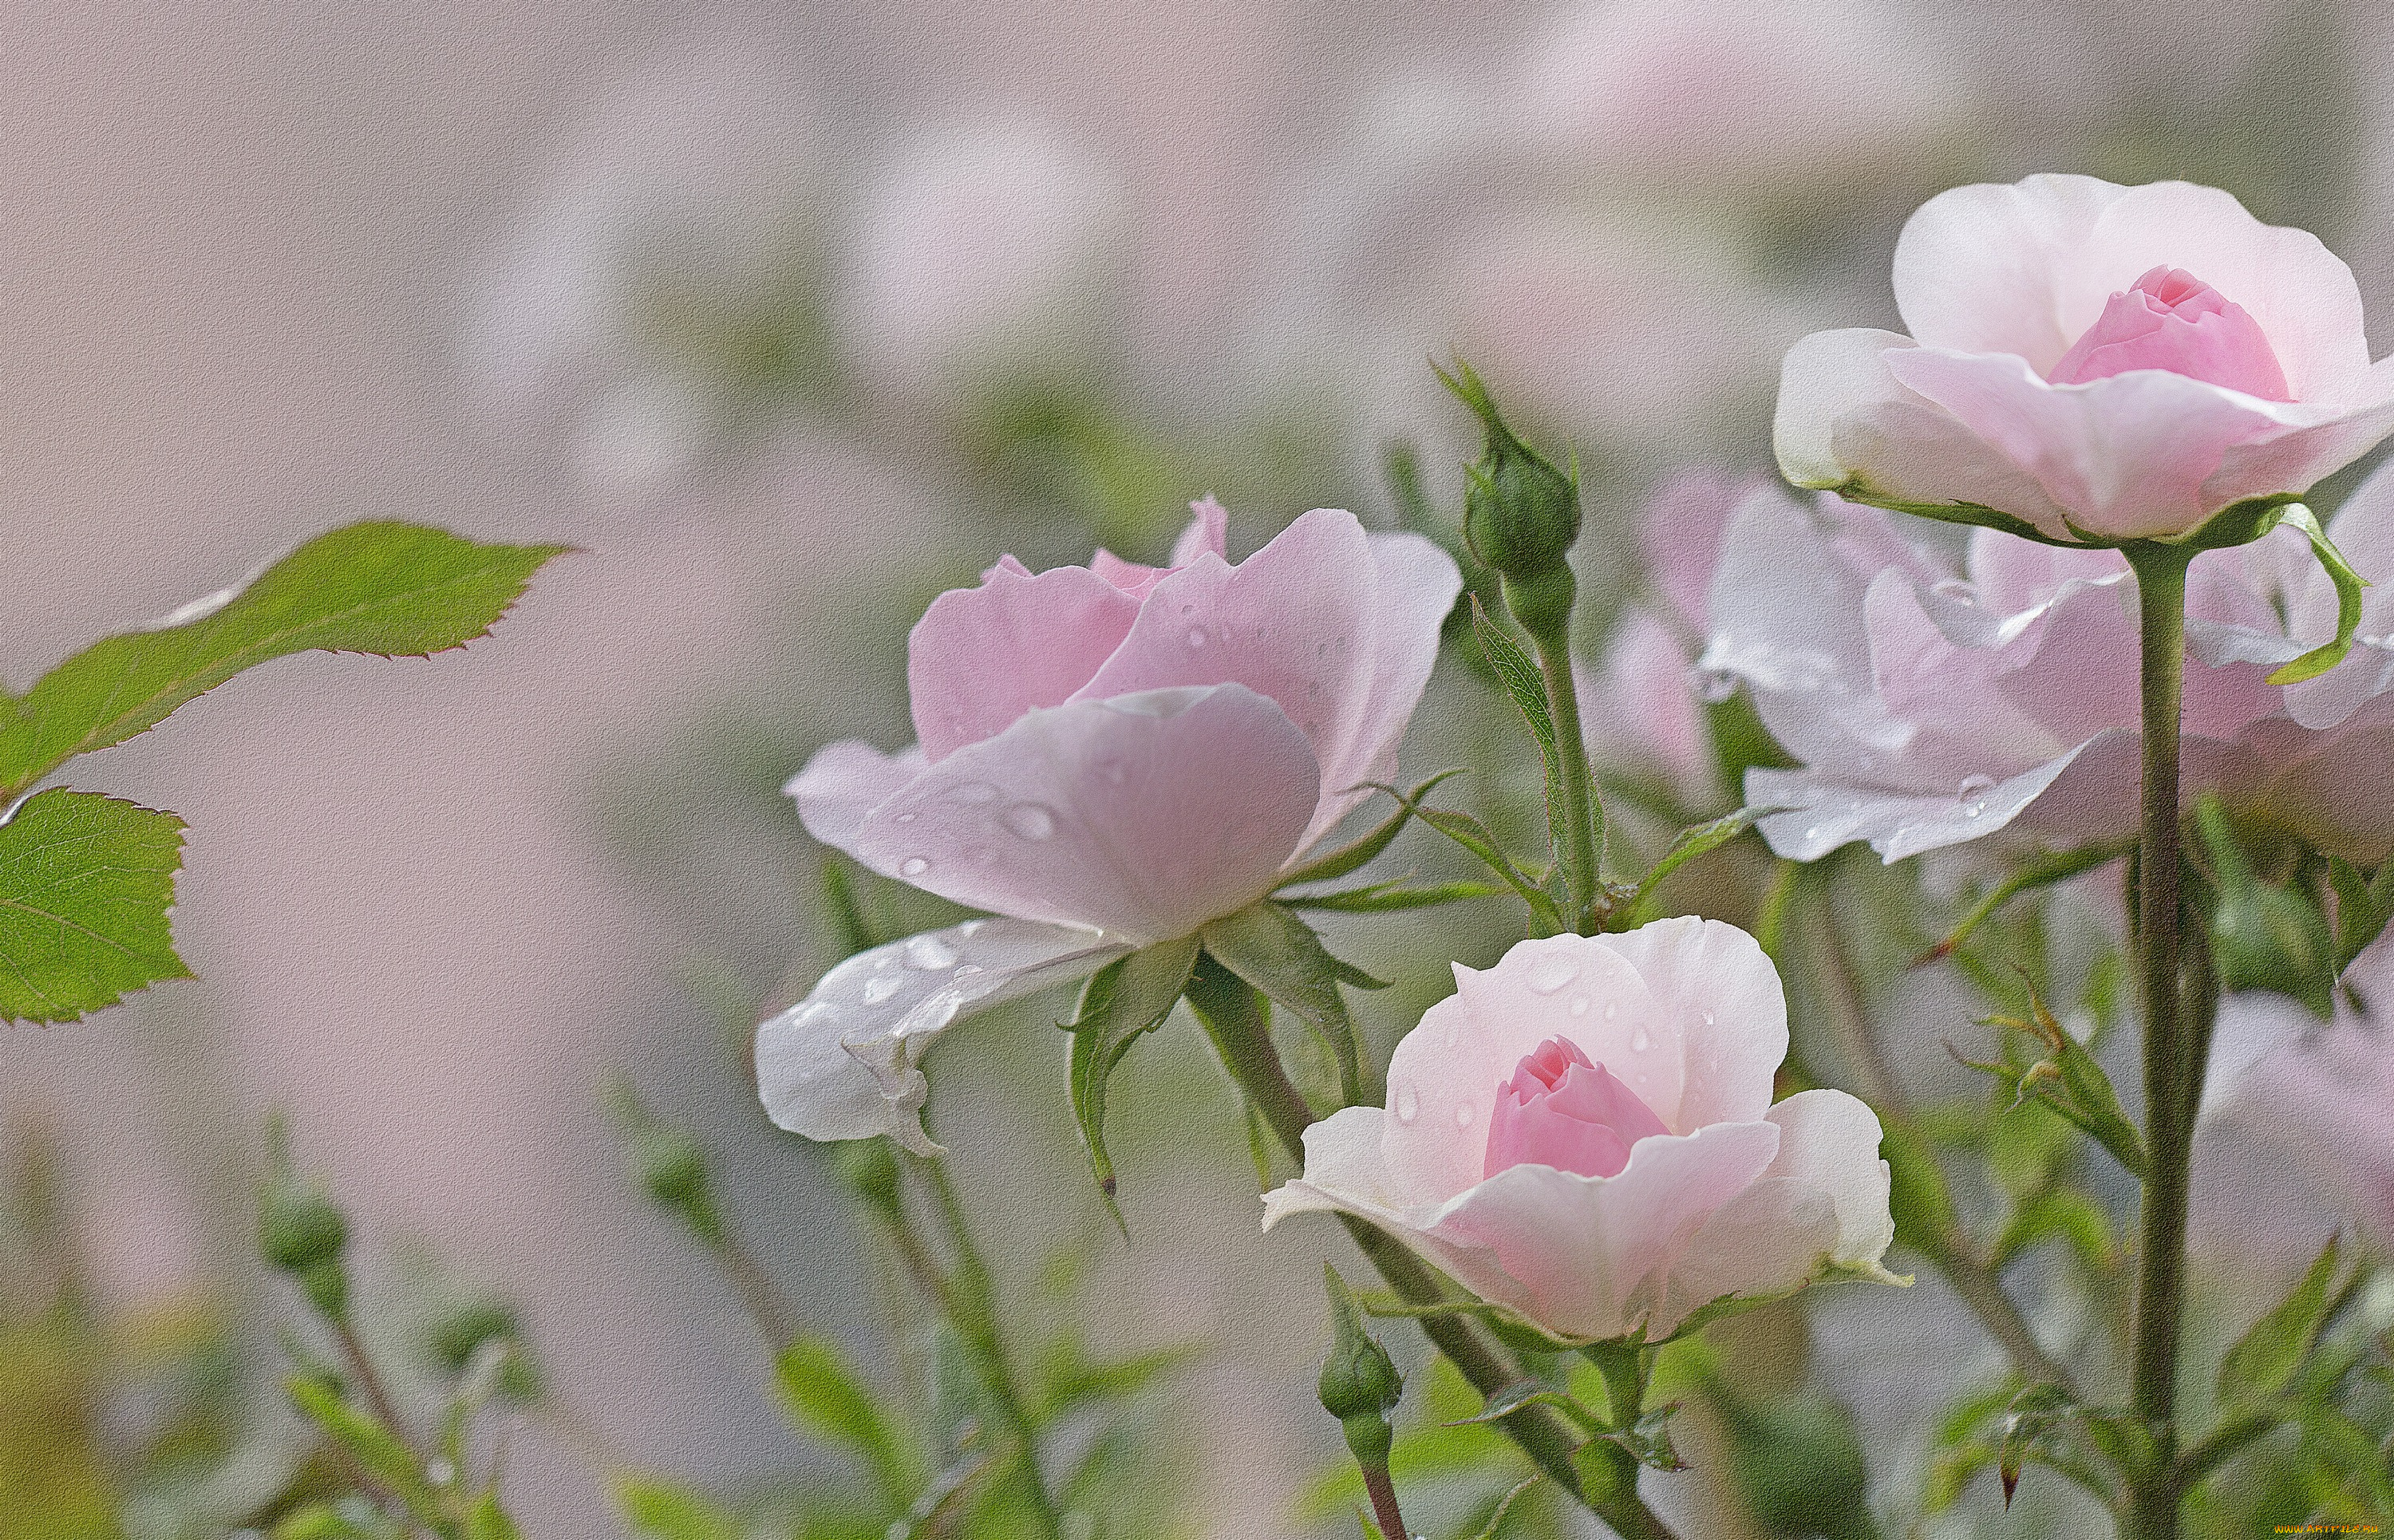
(1559, 1110)
(2172, 320)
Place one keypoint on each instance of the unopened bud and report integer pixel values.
(1359, 1384)
(669, 1164)
(300, 1230)
(1520, 513)
(2264, 936)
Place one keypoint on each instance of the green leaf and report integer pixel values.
(1504, 1506)
(1510, 1398)
(2068, 1080)
(2265, 1358)
(377, 1450)
(2363, 904)
(1473, 835)
(86, 882)
(1277, 952)
(822, 1396)
(1125, 1000)
(487, 1521)
(1348, 858)
(385, 588)
(1528, 687)
(1382, 897)
(668, 1510)
(1690, 843)
(2348, 583)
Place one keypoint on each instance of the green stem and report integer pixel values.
(1544, 612)
(1235, 1018)
(968, 1299)
(2169, 1056)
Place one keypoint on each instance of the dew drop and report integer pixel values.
(1972, 793)
(929, 954)
(965, 970)
(1550, 973)
(913, 867)
(1196, 638)
(1408, 1104)
(1812, 831)
(881, 988)
(1708, 1019)
(1639, 1041)
(973, 793)
(1030, 821)
(1579, 1005)
(1189, 609)
(1612, 1010)
(971, 928)
(906, 818)
(1463, 1116)
(1715, 685)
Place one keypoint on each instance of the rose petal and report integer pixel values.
(844, 782)
(981, 657)
(1587, 1254)
(1443, 1077)
(1731, 1009)
(1977, 269)
(1145, 815)
(1844, 417)
(843, 1063)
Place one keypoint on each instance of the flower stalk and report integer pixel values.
(2171, 1056)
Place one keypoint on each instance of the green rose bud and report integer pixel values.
(300, 1230)
(2264, 936)
(1359, 1384)
(1520, 513)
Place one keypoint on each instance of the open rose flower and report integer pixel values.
(1583, 1135)
(1110, 756)
(2112, 362)
(1930, 703)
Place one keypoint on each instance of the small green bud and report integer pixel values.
(870, 1167)
(1359, 1384)
(1520, 513)
(300, 1230)
(461, 1332)
(673, 1172)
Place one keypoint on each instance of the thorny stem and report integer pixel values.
(2169, 1055)
(1950, 1251)
(1235, 1019)
(967, 1297)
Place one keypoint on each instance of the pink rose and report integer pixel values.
(1583, 1135)
(2121, 363)
(1930, 702)
(1110, 756)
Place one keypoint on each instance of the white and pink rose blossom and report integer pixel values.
(2101, 361)
(1931, 702)
(1108, 756)
(1584, 1136)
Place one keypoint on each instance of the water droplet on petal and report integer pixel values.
(973, 793)
(965, 970)
(907, 818)
(1715, 685)
(1196, 638)
(1550, 973)
(1463, 1116)
(1579, 1005)
(1030, 821)
(913, 867)
(1811, 830)
(1639, 1041)
(929, 954)
(1408, 1104)
(1708, 1019)
(1612, 1010)
(1972, 795)
(881, 988)
(971, 928)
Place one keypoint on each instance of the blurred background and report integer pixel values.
(789, 317)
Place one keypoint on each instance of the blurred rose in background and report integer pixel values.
(792, 317)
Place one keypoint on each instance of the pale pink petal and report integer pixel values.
(844, 782)
(1980, 269)
(2127, 455)
(1208, 534)
(2320, 441)
(1844, 417)
(981, 657)
(845, 1062)
(1642, 709)
(1336, 626)
(1443, 1077)
(1679, 534)
(1590, 1254)
(2012, 576)
(1731, 1012)
(2301, 293)
(1144, 815)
